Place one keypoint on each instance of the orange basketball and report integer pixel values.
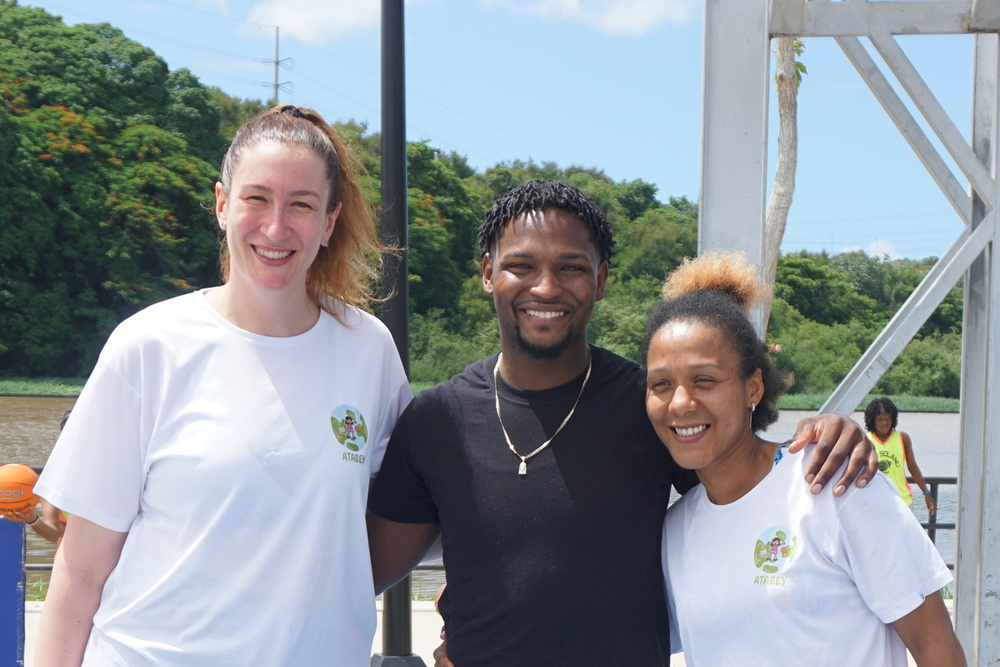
(17, 484)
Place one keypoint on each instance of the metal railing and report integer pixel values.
(931, 526)
(397, 633)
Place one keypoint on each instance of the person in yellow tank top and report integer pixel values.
(895, 450)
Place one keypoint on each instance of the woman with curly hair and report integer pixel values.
(895, 450)
(758, 569)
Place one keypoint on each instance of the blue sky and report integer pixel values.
(612, 84)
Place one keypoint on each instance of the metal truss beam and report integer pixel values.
(909, 318)
(733, 203)
(899, 17)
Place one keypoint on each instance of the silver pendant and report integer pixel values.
(522, 469)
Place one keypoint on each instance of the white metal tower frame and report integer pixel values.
(733, 200)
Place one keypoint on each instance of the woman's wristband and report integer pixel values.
(927, 493)
(32, 523)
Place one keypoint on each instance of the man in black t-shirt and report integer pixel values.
(538, 466)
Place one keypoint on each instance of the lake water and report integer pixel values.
(29, 427)
(935, 447)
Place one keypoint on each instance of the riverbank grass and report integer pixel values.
(41, 386)
(904, 403)
(72, 387)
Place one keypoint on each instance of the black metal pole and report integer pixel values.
(394, 187)
(396, 602)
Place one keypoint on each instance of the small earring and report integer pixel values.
(753, 406)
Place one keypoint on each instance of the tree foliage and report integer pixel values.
(656, 241)
(820, 292)
(107, 170)
(828, 310)
(105, 207)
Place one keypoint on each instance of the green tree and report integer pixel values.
(436, 353)
(655, 243)
(820, 292)
(636, 197)
(783, 318)
(51, 191)
(430, 171)
(233, 112)
(927, 367)
(434, 277)
(818, 356)
(619, 320)
(159, 235)
(102, 202)
(890, 282)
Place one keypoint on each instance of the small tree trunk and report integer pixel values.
(786, 84)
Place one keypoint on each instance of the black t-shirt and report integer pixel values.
(560, 566)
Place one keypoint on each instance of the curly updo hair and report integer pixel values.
(717, 289)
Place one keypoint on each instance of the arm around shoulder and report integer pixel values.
(83, 562)
(837, 438)
(929, 635)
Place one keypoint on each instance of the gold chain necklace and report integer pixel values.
(523, 468)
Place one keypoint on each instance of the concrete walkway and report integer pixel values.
(426, 629)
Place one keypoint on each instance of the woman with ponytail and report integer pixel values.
(217, 465)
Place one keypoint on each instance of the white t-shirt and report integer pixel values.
(239, 465)
(782, 576)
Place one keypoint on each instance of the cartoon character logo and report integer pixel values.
(775, 549)
(349, 427)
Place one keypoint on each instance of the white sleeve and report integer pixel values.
(396, 402)
(886, 551)
(396, 395)
(95, 470)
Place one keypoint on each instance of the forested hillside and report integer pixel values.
(108, 165)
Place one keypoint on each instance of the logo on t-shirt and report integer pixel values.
(887, 460)
(351, 430)
(775, 549)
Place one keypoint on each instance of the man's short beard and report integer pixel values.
(539, 352)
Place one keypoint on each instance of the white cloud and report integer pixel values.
(881, 248)
(221, 6)
(326, 21)
(628, 17)
(318, 22)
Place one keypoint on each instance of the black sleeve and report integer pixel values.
(684, 479)
(399, 492)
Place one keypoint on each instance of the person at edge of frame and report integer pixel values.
(47, 520)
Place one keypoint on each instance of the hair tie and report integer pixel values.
(294, 110)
